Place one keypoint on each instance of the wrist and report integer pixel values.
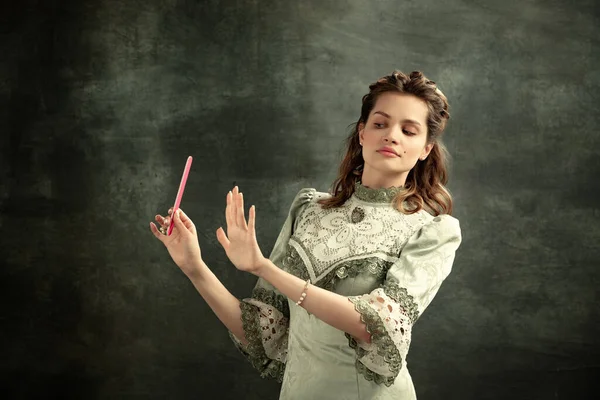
(196, 270)
(264, 267)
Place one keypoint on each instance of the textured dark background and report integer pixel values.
(102, 101)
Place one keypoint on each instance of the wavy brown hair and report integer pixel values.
(425, 184)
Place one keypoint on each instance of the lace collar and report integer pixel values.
(382, 195)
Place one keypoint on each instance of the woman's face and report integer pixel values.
(397, 121)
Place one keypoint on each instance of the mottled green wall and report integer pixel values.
(102, 101)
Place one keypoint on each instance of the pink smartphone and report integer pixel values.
(186, 172)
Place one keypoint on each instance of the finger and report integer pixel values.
(187, 222)
(252, 219)
(222, 238)
(156, 233)
(228, 213)
(178, 223)
(164, 222)
(233, 205)
(241, 218)
(168, 218)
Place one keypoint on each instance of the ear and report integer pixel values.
(426, 151)
(361, 132)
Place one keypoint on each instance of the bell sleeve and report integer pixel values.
(390, 311)
(265, 315)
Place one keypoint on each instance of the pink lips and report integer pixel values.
(387, 153)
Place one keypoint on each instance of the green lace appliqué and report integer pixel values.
(386, 347)
(351, 269)
(293, 264)
(406, 301)
(382, 195)
(273, 299)
(254, 350)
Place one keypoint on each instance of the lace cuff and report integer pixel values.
(266, 329)
(388, 314)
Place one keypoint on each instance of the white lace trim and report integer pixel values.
(396, 323)
(274, 330)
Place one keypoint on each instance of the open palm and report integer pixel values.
(240, 242)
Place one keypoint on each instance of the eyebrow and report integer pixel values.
(410, 121)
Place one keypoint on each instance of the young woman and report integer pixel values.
(332, 312)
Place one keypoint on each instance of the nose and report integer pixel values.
(393, 134)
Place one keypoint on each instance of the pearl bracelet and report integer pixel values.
(303, 296)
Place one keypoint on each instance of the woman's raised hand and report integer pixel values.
(239, 242)
(182, 244)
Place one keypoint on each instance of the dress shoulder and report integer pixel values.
(442, 228)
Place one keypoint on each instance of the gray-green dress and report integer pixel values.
(389, 264)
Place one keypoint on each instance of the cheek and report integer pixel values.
(367, 136)
(414, 148)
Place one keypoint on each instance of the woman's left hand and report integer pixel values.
(240, 242)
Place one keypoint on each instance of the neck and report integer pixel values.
(382, 195)
(379, 181)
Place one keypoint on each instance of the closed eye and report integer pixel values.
(381, 126)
